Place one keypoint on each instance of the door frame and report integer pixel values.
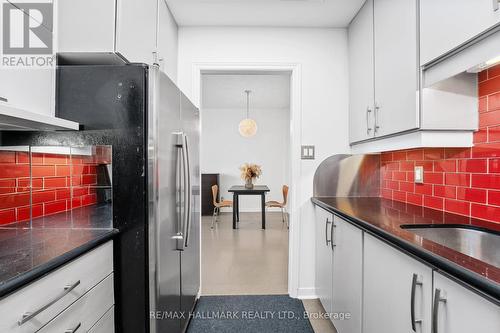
(295, 130)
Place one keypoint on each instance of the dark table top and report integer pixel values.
(384, 218)
(241, 189)
(28, 253)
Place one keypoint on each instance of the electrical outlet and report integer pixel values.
(419, 174)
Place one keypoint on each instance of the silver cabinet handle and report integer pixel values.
(368, 128)
(439, 296)
(326, 232)
(332, 235)
(3, 99)
(376, 127)
(416, 281)
(495, 5)
(73, 330)
(30, 315)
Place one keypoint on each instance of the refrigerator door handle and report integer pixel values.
(187, 192)
(180, 176)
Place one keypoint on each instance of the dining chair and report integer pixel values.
(280, 205)
(218, 204)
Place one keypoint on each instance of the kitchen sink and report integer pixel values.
(475, 242)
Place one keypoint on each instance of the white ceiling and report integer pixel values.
(222, 91)
(273, 13)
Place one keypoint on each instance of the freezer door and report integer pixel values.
(190, 256)
(164, 159)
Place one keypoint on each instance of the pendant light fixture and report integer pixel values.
(248, 126)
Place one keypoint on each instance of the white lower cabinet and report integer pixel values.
(347, 276)
(77, 292)
(106, 324)
(85, 312)
(459, 310)
(324, 258)
(368, 286)
(396, 290)
(339, 270)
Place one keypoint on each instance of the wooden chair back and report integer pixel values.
(215, 189)
(285, 194)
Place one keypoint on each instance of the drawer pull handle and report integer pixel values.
(74, 329)
(3, 99)
(30, 315)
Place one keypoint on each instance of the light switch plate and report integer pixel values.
(419, 174)
(307, 152)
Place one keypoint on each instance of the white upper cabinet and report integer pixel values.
(127, 27)
(28, 89)
(446, 24)
(396, 66)
(361, 89)
(136, 30)
(383, 69)
(166, 41)
(393, 103)
(85, 25)
(459, 310)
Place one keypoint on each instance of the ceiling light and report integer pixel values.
(248, 126)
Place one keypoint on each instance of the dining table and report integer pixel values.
(238, 190)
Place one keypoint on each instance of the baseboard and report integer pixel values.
(306, 293)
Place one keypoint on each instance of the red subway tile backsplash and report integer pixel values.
(464, 181)
(50, 184)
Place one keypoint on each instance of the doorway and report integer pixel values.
(247, 260)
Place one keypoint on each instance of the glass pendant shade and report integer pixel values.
(248, 126)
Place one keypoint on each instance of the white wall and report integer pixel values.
(224, 150)
(322, 56)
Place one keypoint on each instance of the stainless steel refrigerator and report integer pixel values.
(174, 204)
(154, 131)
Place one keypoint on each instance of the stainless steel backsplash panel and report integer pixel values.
(348, 176)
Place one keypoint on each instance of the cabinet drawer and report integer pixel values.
(80, 275)
(85, 312)
(106, 324)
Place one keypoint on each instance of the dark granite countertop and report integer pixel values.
(383, 218)
(29, 253)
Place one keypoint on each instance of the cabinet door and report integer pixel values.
(324, 258)
(463, 311)
(388, 288)
(29, 89)
(85, 25)
(347, 276)
(396, 79)
(445, 24)
(136, 30)
(166, 43)
(361, 90)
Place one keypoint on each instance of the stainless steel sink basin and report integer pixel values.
(474, 242)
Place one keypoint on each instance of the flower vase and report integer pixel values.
(249, 183)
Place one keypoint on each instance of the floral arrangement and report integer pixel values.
(250, 171)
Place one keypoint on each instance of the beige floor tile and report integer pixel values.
(246, 261)
(313, 306)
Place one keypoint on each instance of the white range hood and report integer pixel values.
(15, 119)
